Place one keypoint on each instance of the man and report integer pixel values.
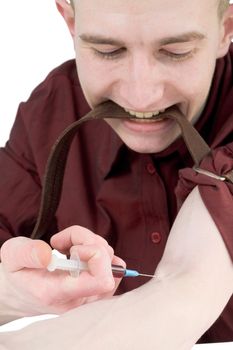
(146, 57)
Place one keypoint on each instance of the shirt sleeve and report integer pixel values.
(19, 183)
(217, 195)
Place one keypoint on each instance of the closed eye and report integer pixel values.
(177, 56)
(109, 54)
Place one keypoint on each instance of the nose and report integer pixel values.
(142, 85)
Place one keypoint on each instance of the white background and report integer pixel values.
(33, 40)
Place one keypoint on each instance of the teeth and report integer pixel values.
(144, 115)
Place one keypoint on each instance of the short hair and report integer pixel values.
(222, 6)
(72, 3)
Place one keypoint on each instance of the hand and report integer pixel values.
(29, 289)
(189, 282)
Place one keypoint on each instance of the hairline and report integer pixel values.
(222, 6)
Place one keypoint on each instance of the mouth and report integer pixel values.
(153, 116)
(146, 117)
(111, 110)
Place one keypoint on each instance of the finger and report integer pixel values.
(86, 254)
(100, 268)
(99, 278)
(21, 252)
(92, 283)
(75, 235)
(97, 258)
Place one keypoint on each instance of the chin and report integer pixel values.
(148, 142)
(146, 147)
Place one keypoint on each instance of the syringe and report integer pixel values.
(75, 266)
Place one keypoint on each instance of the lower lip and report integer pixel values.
(148, 126)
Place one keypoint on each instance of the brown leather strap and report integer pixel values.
(57, 160)
(229, 176)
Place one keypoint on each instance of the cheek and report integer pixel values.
(86, 70)
(197, 79)
(93, 76)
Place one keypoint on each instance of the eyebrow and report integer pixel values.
(183, 38)
(99, 39)
(102, 40)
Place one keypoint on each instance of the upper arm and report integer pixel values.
(196, 247)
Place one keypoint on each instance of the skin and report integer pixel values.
(169, 312)
(144, 73)
(27, 288)
(142, 78)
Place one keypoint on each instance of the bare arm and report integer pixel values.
(27, 288)
(195, 277)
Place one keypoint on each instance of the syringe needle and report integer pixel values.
(145, 275)
(120, 271)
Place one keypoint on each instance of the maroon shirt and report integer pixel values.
(126, 197)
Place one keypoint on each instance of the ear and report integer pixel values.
(226, 34)
(67, 12)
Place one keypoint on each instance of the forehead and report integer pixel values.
(139, 7)
(145, 18)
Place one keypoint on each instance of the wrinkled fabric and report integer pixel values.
(126, 197)
(216, 194)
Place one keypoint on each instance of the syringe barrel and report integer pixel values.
(118, 271)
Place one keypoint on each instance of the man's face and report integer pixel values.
(147, 56)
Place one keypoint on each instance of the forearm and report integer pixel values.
(194, 283)
(171, 313)
(166, 314)
(8, 311)
(178, 310)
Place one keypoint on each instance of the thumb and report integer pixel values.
(20, 252)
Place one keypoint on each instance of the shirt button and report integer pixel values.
(150, 168)
(156, 237)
